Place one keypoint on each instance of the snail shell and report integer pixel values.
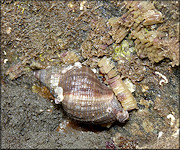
(83, 96)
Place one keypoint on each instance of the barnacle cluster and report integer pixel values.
(139, 21)
(155, 46)
(139, 13)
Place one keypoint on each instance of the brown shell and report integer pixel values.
(85, 97)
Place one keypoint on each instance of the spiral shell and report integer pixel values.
(83, 96)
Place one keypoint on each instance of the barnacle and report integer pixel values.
(155, 46)
(138, 14)
(146, 43)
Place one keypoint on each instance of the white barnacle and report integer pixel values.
(77, 64)
(59, 92)
(164, 80)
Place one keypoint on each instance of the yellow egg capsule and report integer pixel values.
(119, 88)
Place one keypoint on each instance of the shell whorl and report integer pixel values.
(85, 98)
